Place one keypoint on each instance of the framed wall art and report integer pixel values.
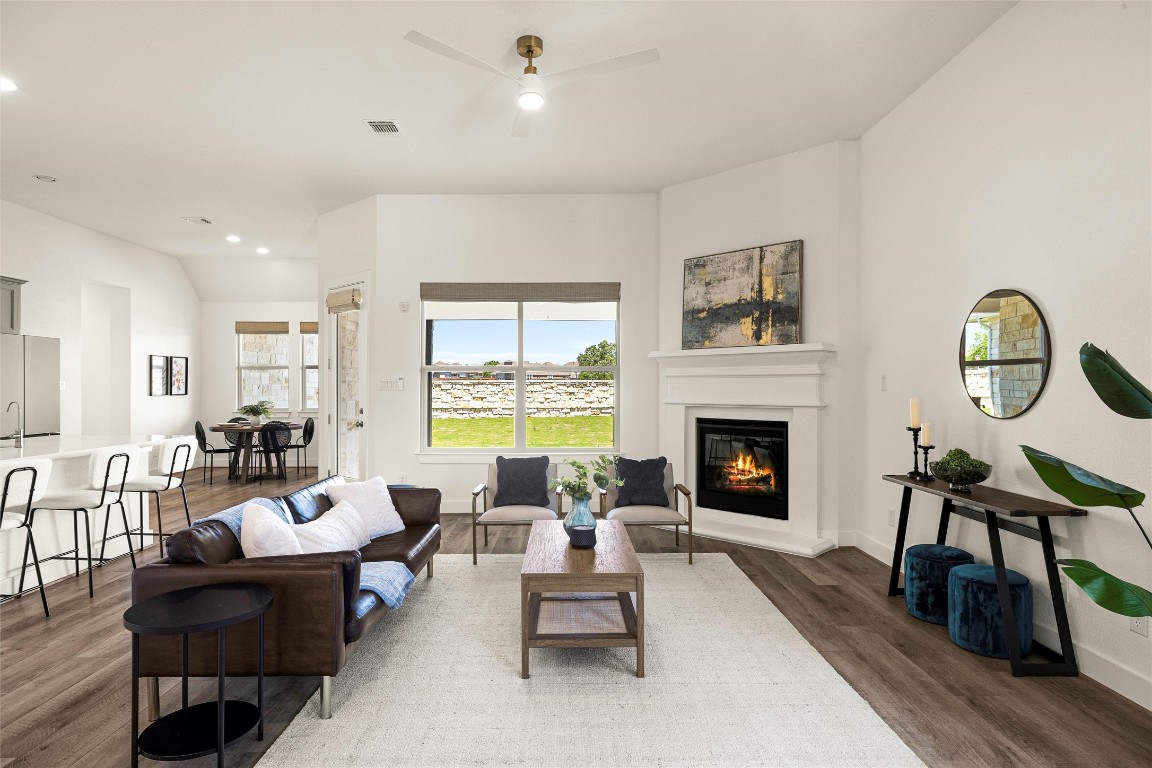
(158, 375)
(177, 375)
(743, 298)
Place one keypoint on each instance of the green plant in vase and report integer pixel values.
(261, 409)
(579, 523)
(1121, 392)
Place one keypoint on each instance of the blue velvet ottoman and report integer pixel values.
(926, 568)
(975, 621)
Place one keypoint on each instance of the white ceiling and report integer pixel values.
(249, 113)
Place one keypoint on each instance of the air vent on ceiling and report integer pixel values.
(382, 126)
(196, 220)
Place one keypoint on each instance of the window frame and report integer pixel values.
(240, 368)
(304, 368)
(519, 373)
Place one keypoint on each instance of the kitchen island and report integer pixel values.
(70, 455)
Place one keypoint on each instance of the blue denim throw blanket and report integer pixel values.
(232, 516)
(388, 579)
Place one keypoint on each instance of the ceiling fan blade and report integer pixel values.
(602, 67)
(428, 43)
(523, 124)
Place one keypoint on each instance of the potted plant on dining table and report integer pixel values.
(257, 412)
(579, 523)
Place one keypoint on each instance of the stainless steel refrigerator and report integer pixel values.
(30, 375)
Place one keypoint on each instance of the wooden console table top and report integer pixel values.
(991, 499)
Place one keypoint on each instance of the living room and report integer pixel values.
(926, 155)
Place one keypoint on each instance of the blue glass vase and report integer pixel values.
(580, 525)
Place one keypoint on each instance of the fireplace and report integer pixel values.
(742, 466)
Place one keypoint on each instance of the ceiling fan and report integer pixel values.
(533, 86)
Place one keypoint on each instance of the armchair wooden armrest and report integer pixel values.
(603, 500)
(687, 494)
(482, 488)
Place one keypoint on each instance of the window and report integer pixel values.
(520, 366)
(310, 366)
(262, 363)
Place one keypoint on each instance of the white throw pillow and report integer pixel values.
(373, 502)
(338, 529)
(263, 533)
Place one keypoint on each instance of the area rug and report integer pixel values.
(729, 682)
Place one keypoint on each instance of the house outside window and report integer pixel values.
(520, 366)
(309, 367)
(262, 363)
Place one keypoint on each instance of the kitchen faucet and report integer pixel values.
(19, 434)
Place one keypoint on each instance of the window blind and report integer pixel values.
(343, 301)
(309, 327)
(254, 327)
(520, 291)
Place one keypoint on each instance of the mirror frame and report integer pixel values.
(1045, 360)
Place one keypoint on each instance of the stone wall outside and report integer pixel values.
(486, 398)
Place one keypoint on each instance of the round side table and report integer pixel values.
(188, 732)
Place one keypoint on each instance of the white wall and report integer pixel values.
(1023, 164)
(56, 258)
(490, 238)
(809, 196)
(218, 401)
(239, 279)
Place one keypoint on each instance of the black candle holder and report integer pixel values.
(927, 472)
(915, 473)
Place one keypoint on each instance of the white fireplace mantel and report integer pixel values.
(777, 383)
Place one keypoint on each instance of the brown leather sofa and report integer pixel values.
(319, 613)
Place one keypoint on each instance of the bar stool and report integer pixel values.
(24, 484)
(175, 458)
(108, 470)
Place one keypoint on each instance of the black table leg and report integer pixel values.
(945, 516)
(135, 700)
(894, 587)
(1066, 667)
(220, 699)
(184, 671)
(260, 680)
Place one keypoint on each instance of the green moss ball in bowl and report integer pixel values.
(960, 470)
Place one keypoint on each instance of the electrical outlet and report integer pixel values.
(403, 478)
(883, 382)
(892, 518)
(1139, 625)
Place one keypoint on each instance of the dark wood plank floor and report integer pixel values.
(64, 693)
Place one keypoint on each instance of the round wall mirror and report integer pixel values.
(1005, 354)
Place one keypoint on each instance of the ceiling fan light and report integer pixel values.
(530, 100)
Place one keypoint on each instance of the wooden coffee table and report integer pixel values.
(581, 598)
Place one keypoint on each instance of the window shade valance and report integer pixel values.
(520, 291)
(343, 301)
(309, 327)
(253, 327)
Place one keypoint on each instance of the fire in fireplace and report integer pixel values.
(742, 466)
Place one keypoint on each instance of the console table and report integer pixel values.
(985, 504)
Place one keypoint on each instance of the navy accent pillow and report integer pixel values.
(643, 482)
(521, 481)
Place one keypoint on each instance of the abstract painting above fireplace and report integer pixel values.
(742, 466)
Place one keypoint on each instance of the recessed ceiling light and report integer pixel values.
(233, 238)
(49, 179)
(262, 251)
(8, 85)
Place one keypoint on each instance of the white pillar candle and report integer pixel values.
(914, 412)
(926, 434)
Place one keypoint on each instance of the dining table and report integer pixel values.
(247, 433)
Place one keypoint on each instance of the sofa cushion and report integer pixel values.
(521, 481)
(265, 534)
(210, 543)
(515, 514)
(372, 501)
(338, 529)
(310, 502)
(643, 514)
(412, 546)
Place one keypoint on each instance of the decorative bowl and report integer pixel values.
(961, 479)
(582, 536)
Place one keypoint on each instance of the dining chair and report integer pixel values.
(509, 514)
(650, 514)
(302, 442)
(275, 438)
(175, 458)
(210, 452)
(24, 484)
(108, 470)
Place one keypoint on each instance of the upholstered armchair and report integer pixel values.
(529, 482)
(620, 503)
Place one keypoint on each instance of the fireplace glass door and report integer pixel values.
(742, 466)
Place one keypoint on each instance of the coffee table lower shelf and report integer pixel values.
(584, 620)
